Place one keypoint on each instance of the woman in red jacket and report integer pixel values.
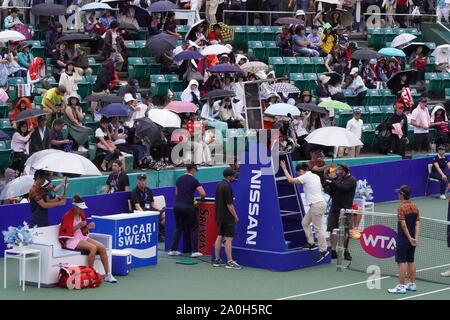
(74, 235)
(419, 62)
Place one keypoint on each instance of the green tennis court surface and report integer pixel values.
(169, 280)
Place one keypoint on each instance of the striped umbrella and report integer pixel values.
(285, 88)
(254, 67)
(227, 31)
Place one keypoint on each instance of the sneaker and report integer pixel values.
(196, 254)
(310, 246)
(355, 234)
(333, 254)
(347, 256)
(233, 265)
(443, 197)
(82, 149)
(109, 278)
(411, 287)
(321, 256)
(173, 253)
(399, 289)
(219, 263)
(445, 274)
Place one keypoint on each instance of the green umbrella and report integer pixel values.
(334, 104)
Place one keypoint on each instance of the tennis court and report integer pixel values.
(169, 280)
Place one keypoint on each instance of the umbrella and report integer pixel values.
(395, 79)
(218, 93)
(162, 6)
(225, 68)
(365, 54)
(28, 114)
(48, 9)
(334, 104)
(96, 6)
(402, 39)
(254, 67)
(142, 16)
(116, 110)
(188, 55)
(442, 54)
(226, 30)
(164, 118)
(193, 28)
(288, 20)
(11, 35)
(391, 52)
(285, 88)
(346, 17)
(412, 47)
(147, 129)
(282, 109)
(74, 37)
(335, 78)
(109, 98)
(330, 1)
(17, 187)
(333, 137)
(128, 27)
(311, 107)
(35, 157)
(160, 44)
(67, 162)
(181, 107)
(215, 49)
(4, 136)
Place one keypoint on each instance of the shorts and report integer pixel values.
(333, 221)
(405, 254)
(226, 229)
(421, 142)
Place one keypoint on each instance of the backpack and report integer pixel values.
(79, 277)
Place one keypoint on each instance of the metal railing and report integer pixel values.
(389, 20)
(310, 15)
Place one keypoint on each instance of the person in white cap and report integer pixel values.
(74, 235)
(300, 15)
(355, 126)
(191, 93)
(358, 86)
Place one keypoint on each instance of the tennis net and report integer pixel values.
(377, 245)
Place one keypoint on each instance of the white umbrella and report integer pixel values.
(66, 162)
(215, 49)
(402, 39)
(330, 1)
(442, 54)
(333, 137)
(195, 25)
(35, 157)
(17, 187)
(282, 109)
(11, 35)
(164, 118)
(96, 6)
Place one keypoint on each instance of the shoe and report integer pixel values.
(196, 254)
(322, 255)
(218, 263)
(233, 265)
(442, 197)
(411, 287)
(355, 234)
(309, 246)
(347, 256)
(445, 274)
(109, 278)
(82, 149)
(333, 254)
(173, 253)
(399, 289)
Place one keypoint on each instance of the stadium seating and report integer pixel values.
(5, 154)
(175, 84)
(257, 49)
(94, 66)
(159, 85)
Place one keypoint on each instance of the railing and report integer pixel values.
(375, 20)
(443, 26)
(308, 15)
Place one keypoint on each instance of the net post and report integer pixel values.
(340, 233)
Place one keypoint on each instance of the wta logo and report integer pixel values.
(379, 241)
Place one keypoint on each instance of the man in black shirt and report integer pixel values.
(184, 210)
(398, 145)
(440, 162)
(226, 218)
(117, 180)
(142, 200)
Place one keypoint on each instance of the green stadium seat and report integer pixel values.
(432, 82)
(240, 35)
(159, 85)
(318, 64)
(415, 95)
(253, 34)
(375, 37)
(342, 117)
(373, 98)
(91, 78)
(177, 95)
(94, 65)
(445, 82)
(368, 135)
(389, 34)
(37, 33)
(152, 66)
(136, 68)
(4, 110)
(311, 79)
(297, 79)
(5, 154)
(132, 49)
(388, 110)
(182, 29)
(89, 121)
(267, 33)
(376, 114)
(277, 65)
(387, 97)
(447, 94)
(6, 126)
(272, 50)
(257, 49)
(143, 33)
(292, 65)
(305, 65)
(410, 134)
(175, 84)
(430, 64)
(349, 97)
(12, 87)
(84, 88)
(140, 45)
(37, 49)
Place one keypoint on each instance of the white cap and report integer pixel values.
(300, 13)
(354, 70)
(291, 101)
(128, 97)
(81, 205)
(261, 75)
(271, 73)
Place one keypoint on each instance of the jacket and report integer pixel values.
(37, 144)
(66, 227)
(342, 191)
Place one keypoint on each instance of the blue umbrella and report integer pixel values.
(96, 6)
(392, 52)
(282, 109)
(188, 55)
(116, 110)
(162, 6)
(225, 68)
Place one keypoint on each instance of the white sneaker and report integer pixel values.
(109, 278)
(399, 289)
(82, 149)
(445, 274)
(196, 254)
(411, 287)
(443, 197)
(173, 253)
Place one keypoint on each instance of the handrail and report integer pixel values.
(442, 25)
(270, 13)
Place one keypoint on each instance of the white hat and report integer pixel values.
(229, 46)
(239, 57)
(271, 74)
(81, 205)
(300, 13)
(261, 75)
(291, 101)
(354, 70)
(324, 78)
(128, 97)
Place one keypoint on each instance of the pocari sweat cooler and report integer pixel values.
(121, 261)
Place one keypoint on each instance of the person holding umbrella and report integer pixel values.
(52, 35)
(170, 26)
(327, 39)
(284, 41)
(419, 62)
(19, 145)
(59, 58)
(21, 105)
(216, 33)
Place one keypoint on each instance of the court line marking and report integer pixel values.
(424, 294)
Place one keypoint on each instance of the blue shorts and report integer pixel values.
(405, 253)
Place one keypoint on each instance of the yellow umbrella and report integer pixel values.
(227, 31)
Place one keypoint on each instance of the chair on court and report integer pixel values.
(430, 166)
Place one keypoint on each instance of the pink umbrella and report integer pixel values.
(181, 107)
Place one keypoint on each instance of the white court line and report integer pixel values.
(424, 294)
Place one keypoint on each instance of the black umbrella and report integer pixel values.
(412, 47)
(311, 107)
(218, 93)
(335, 78)
(160, 44)
(288, 20)
(345, 17)
(28, 114)
(146, 129)
(74, 37)
(48, 9)
(394, 81)
(128, 27)
(365, 54)
(142, 16)
(4, 136)
(191, 32)
(162, 6)
(109, 98)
